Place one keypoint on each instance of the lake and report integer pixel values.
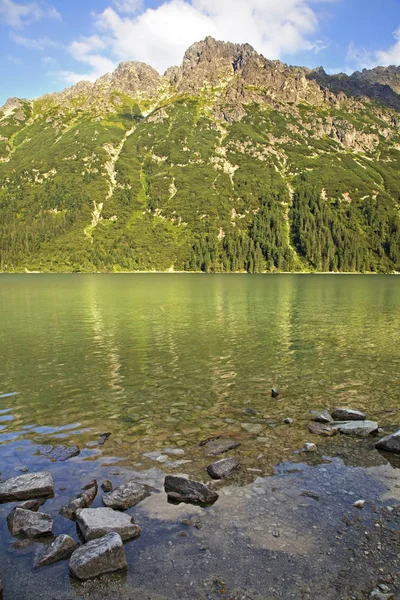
(167, 360)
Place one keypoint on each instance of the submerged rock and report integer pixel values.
(249, 411)
(390, 443)
(29, 524)
(174, 451)
(104, 437)
(321, 416)
(309, 447)
(359, 504)
(223, 468)
(274, 392)
(127, 495)
(220, 446)
(26, 487)
(254, 428)
(347, 414)
(59, 453)
(107, 486)
(288, 421)
(33, 504)
(180, 489)
(84, 500)
(96, 522)
(98, 557)
(321, 429)
(357, 428)
(60, 549)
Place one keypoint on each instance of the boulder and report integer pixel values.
(357, 428)
(220, 446)
(96, 522)
(84, 500)
(321, 416)
(223, 468)
(98, 557)
(107, 486)
(180, 489)
(26, 487)
(29, 524)
(390, 443)
(127, 495)
(59, 453)
(321, 429)
(347, 414)
(33, 504)
(60, 549)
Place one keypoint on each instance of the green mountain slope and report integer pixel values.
(229, 162)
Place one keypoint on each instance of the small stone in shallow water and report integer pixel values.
(249, 411)
(390, 443)
(84, 500)
(180, 489)
(220, 446)
(174, 451)
(22, 469)
(357, 428)
(98, 557)
(310, 494)
(359, 504)
(97, 522)
(60, 549)
(309, 447)
(29, 524)
(274, 392)
(104, 437)
(26, 487)
(288, 421)
(223, 468)
(347, 414)
(59, 453)
(107, 486)
(378, 595)
(321, 429)
(253, 428)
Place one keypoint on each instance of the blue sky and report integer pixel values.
(47, 45)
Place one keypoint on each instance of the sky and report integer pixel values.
(47, 45)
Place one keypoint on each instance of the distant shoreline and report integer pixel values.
(26, 272)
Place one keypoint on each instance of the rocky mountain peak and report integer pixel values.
(132, 78)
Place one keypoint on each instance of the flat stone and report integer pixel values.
(29, 524)
(174, 451)
(96, 522)
(59, 453)
(321, 416)
(84, 500)
(98, 557)
(390, 443)
(60, 549)
(107, 486)
(223, 468)
(357, 428)
(321, 429)
(26, 487)
(254, 428)
(180, 489)
(33, 504)
(127, 495)
(347, 414)
(220, 446)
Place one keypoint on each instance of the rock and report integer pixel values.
(288, 421)
(390, 443)
(223, 468)
(127, 495)
(26, 487)
(98, 557)
(347, 414)
(33, 504)
(274, 392)
(28, 523)
(84, 500)
(359, 504)
(60, 549)
(249, 411)
(309, 494)
(220, 446)
(103, 438)
(321, 416)
(180, 489)
(23, 469)
(254, 428)
(321, 429)
(378, 595)
(107, 486)
(358, 428)
(96, 522)
(174, 451)
(59, 453)
(309, 447)
(157, 456)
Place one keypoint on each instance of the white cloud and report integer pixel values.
(364, 58)
(160, 36)
(16, 14)
(36, 44)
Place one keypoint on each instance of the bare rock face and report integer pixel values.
(29, 524)
(390, 443)
(59, 453)
(180, 489)
(84, 500)
(98, 557)
(223, 468)
(357, 428)
(96, 522)
(26, 487)
(127, 495)
(61, 549)
(347, 414)
(135, 79)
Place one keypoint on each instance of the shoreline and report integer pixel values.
(168, 272)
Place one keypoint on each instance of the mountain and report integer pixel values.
(228, 162)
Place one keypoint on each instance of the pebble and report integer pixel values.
(310, 447)
(288, 421)
(359, 504)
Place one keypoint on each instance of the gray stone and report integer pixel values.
(96, 522)
(84, 500)
(254, 428)
(310, 447)
(357, 428)
(29, 524)
(322, 429)
(59, 453)
(98, 557)
(274, 392)
(107, 486)
(359, 504)
(26, 487)
(220, 446)
(174, 451)
(378, 595)
(223, 468)
(321, 416)
(60, 549)
(249, 411)
(390, 443)
(127, 495)
(310, 494)
(33, 504)
(288, 421)
(180, 489)
(347, 414)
